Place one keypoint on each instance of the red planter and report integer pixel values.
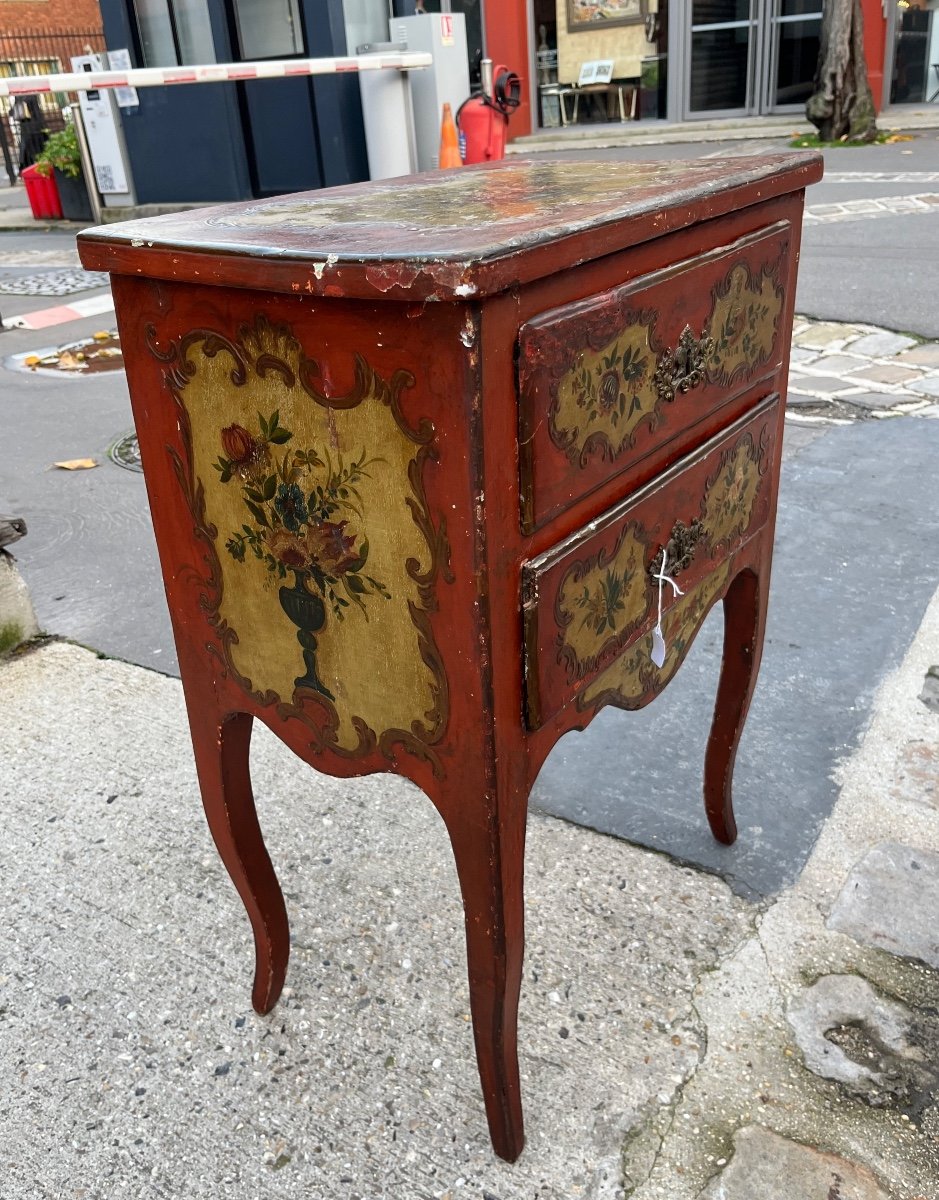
(42, 193)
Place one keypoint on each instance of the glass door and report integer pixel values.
(747, 57)
(723, 54)
(792, 44)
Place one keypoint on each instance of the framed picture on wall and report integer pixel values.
(593, 14)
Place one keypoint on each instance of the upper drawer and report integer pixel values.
(589, 598)
(608, 380)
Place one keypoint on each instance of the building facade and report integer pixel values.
(699, 59)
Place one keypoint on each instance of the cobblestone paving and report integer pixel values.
(869, 209)
(54, 283)
(840, 372)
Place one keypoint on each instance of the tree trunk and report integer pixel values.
(842, 106)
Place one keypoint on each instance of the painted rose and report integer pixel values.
(330, 549)
(244, 452)
(287, 548)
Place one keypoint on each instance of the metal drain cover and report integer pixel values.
(125, 452)
(54, 283)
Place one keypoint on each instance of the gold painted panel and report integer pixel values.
(633, 678)
(731, 493)
(324, 553)
(599, 601)
(608, 393)
(744, 321)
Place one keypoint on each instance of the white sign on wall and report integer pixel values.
(101, 130)
(126, 97)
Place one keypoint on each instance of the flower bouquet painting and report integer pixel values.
(301, 503)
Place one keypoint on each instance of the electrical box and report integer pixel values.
(445, 82)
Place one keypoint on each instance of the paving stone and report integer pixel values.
(798, 355)
(932, 411)
(766, 1166)
(891, 901)
(917, 773)
(877, 400)
(882, 344)
(825, 384)
(930, 693)
(885, 372)
(836, 1002)
(825, 334)
(842, 364)
(925, 355)
(928, 385)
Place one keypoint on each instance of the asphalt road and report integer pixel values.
(92, 569)
(882, 269)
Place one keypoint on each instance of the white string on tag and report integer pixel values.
(658, 637)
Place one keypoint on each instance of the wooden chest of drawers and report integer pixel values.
(439, 467)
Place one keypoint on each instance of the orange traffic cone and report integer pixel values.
(449, 142)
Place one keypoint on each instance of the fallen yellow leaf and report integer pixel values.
(76, 464)
(101, 336)
(31, 360)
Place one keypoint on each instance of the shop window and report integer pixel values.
(174, 32)
(268, 29)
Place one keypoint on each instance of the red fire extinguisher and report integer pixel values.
(483, 119)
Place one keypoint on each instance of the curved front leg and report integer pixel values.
(490, 858)
(221, 747)
(744, 625)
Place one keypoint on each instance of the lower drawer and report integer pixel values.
(592, 596)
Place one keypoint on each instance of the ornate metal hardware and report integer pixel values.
(683, 369)
(680, 548)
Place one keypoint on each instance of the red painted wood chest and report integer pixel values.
(439, 467)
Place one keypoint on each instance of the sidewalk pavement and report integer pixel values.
(677, 1042)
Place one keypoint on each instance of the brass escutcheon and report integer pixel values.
(683, 369)
(680, 548)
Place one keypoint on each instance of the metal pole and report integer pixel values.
(88, 170)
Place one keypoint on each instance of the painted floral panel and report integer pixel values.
(730, 496)
(744, 322)
(322, 551)
(607, 394)
(633, 679)
(600, 602)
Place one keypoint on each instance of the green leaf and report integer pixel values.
(355, 585)
(269, 487)
(258, 513)
(278, 436)
(264, 427)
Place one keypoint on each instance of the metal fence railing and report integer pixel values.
(24, 124)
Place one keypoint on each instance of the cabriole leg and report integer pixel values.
(744, 624)
(490, 866)
(221, 748)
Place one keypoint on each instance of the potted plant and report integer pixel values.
(61, 157)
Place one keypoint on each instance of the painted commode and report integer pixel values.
(441, 466)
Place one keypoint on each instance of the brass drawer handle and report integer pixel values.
(680, 548)
(683, 369)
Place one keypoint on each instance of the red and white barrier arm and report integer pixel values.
(87, 81)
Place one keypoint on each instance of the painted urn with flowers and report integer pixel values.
(305, 512)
